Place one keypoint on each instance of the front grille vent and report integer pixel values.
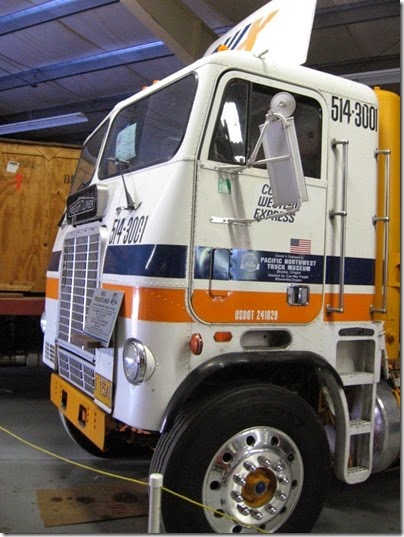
(79, 278)
(50, 352)
(77, 371)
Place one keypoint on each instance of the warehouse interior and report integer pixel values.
(64, 64)
(66, 57)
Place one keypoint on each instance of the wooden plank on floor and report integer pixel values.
(106, 501)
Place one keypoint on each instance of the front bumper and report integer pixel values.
(80, 410)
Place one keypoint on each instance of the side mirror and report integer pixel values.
(282, 156)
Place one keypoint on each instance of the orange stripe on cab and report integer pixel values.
(237, 307)
(152, 304)
(356, 307)
(52, 288)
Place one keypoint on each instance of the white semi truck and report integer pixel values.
(224, 287)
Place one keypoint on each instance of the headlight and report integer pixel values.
(138, 361)
(43, 321)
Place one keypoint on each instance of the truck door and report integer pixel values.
(254, 262)
(352, 170)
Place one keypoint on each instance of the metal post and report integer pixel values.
(155, 486)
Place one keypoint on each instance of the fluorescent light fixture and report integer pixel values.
(43, 123)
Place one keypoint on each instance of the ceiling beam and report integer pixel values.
(174, 23)
(49, 11)
(89, 64)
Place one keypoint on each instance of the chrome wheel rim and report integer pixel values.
(253, 481)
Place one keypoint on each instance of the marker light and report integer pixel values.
(222, 336)
(196, 344)
(138, 361)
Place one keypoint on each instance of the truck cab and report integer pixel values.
(229, 294)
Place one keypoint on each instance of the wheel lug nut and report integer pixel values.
(282, 496)
(264, 461)
(244, 510)
(257, 515)
(239, 480)
(250, 466)
(278, 468)
(271, 509)
(237, 497)
(283, 479)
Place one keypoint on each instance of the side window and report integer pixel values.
(230, 137)
(244, 108)
(308, 121)
(88, 159)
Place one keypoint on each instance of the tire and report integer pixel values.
(255, 453)
(115, 447)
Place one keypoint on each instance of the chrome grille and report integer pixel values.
(79, 279)
(77, 371)
(50, 352)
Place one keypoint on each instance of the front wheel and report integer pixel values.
(256, 456)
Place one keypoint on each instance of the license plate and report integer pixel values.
(103, 390)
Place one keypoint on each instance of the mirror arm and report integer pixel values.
(268, 118)
(249, 221)
(252, 160)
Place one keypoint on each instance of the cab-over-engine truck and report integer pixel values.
(246, 214)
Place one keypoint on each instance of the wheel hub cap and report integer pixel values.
(255, 478)
(259, 488)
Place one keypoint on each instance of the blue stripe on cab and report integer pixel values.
(54, 261)
(169, 261)
(151, 260)
(358, 271)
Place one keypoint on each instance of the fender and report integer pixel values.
(242, 361)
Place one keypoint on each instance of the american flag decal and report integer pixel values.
(300, 246)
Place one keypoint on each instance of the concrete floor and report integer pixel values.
(372, 507)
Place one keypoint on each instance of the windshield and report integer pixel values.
(149, 131)
(88, 159)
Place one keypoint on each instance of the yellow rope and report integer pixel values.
(124, 478)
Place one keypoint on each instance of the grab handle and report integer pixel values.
(385, 219)
(343, 214)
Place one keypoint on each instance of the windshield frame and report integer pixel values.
(85, 169)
